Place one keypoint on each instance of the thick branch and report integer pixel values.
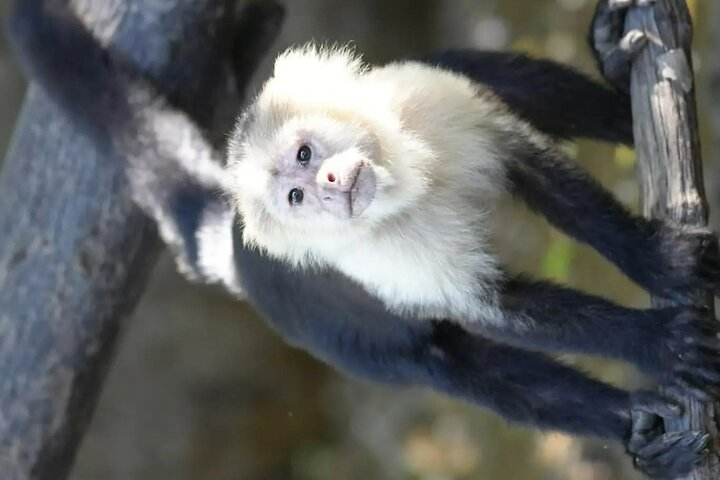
(668, 149)
(76, 250)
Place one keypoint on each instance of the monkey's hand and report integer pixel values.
(684, 352)
(657, 453)
(613, 48)
(684, 261)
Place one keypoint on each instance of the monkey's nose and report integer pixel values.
(339, 171)
(346, 188)
(339, 179)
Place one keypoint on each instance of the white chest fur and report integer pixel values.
(416, 268)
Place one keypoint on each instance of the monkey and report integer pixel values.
(389, 175)
(497, 356)
(353, 168)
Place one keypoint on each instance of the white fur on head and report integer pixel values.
(422, 244)
(317, 76)
(323, 90)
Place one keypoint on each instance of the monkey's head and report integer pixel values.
(315, 159)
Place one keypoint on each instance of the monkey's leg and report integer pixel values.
(530, 388)
(553, 98)
(326, 314)
(668, 260)
(523, 386)
(677, 345)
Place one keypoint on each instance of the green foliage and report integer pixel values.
(558, 258)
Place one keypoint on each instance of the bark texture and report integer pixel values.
(668, 150)
(75, 250)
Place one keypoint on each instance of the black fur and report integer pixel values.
(557, 100)
(338, 322)
(335, 320)
(352, 330)
(667, 260)
(674, 344)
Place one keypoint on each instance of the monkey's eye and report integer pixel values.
(295, 197)
(304, 154)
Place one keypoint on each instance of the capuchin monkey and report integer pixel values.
(389, 175)
(353, 214)
(386, 174)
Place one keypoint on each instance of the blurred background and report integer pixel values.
(202, 389)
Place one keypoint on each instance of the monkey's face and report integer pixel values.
(319, 158)
(313, 175)
(322, 168)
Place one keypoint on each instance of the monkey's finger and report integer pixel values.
(691, 441)
(706, 372)
(701, 355)
(614, 5)
(682, 385)
(673, 455)
(708, 341)
(655, 405)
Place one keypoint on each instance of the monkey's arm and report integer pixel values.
(175, 173)
(667, 260)
(675, 344)
(192, 213)
(328, 315)
(554, 98)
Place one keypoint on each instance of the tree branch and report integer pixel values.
(76, 250)
(668, 150)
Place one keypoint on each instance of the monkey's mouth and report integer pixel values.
(362, 191)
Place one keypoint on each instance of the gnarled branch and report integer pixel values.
(109, 84)
(668, 150)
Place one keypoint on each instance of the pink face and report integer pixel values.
(316, 176)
